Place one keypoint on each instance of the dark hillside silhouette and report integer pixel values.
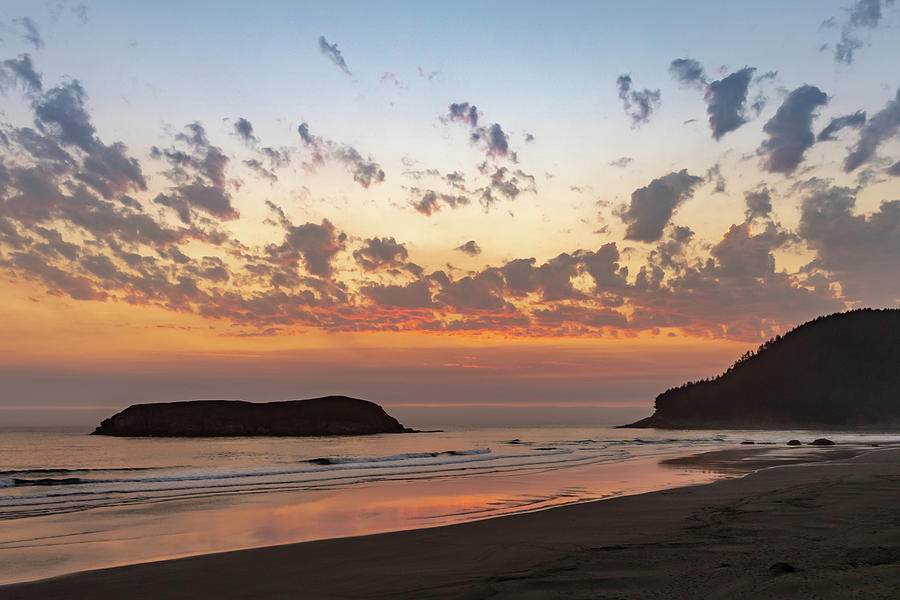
(841, 370)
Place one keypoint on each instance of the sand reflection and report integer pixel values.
(45, 546)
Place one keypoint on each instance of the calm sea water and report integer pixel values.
(69, 501)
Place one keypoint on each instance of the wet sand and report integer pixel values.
(830, 530)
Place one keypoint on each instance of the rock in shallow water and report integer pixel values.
(331, 415)
(821, 442)
(780, 568)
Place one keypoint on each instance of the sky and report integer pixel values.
(512, 211)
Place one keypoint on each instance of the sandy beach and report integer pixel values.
(826, 529)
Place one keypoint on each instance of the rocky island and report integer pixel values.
(840, 371)
(331, 415)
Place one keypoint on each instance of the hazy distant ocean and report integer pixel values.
(69, 501)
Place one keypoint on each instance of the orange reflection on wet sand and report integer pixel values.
(45, 546)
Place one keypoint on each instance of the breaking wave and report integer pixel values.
(395, 457)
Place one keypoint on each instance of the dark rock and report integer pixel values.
(332, 415)
(821, 442)
(794, 443)
(836, 372)
(780, 568)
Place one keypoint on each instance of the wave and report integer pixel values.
(14, 507)
(18, 481)
(387, 463)
(53, 471)
(591, 444)
(396, 457)
(251, 479)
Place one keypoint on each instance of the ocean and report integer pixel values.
(71, 502)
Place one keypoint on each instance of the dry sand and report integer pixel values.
(836, 524)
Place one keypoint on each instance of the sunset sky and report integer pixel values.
(554, 207)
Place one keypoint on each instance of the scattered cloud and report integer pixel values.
(429, 76)
(714, 176)
(31, 32)
(502, 182)
(860, 251)
(726, 98)
(462, 112)
(494, 138)
(303, 130)
(62, 109)
(365, 170)
(381, 253)
(61, 116)
(726, 101)
(311, 244)
(883, 125)
(688, 72)
(22, 69)
(790, 131)
(210, 199)
(334, 54)
(638, 104)
(416, 294)
(244, 130)
(743, 256)
(470, 248)
(198, 174)
(759, 203)
(652, 206)
(429, 202)
(389, 77)
(862, 14)
(257, 167)
(856, 120)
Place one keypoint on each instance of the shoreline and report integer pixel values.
(110, 537)
(579, 542)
